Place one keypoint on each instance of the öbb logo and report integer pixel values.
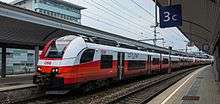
(47, 62)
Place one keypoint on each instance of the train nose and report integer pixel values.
(48, 80)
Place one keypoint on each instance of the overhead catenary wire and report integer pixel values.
(129, 11)
(116, 16)
(179, 35)
(115, 6)
(142, 8)
(123, 25)
(121, 17)
(98, 20)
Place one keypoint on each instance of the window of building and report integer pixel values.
(36, 10)
(136, 64)
(106, 61)
(155, 61)
(40, 10)
(62, 16)
(9, 55)
(54, 14)
(57, 15)
(19, 61)
(68, 17)
(48, 12)
(65, 17)
(61, 6)
(44, 11)
(87, 55)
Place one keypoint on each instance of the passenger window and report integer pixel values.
(87, 55)
(155, 61)
(136, 64)
(106, 61)
(165, 61)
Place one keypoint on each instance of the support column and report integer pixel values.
(169, 60)
(3, 70)
(36, 56)
(216, 65)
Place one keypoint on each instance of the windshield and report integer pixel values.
(57, 48)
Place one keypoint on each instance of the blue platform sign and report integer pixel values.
(170, 16)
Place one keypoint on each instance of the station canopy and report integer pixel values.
(201, 21)
(22, 28)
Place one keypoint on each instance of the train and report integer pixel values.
(75, 60)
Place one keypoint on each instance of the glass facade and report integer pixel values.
(54, 4)
(19, 61)
(54, 9)
(57, 15)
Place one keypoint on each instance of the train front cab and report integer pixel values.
(58, 61)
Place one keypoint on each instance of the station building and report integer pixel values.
(55, 8)
(20, 61)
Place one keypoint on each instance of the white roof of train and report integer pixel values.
(104, 47)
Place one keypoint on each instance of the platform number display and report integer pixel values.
(170, 16)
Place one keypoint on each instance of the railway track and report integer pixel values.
(143, 92)
(142, 96)
(134, 92)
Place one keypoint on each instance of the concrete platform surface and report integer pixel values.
(198, 87)
(12, 82)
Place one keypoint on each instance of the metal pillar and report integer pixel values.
(36, 56)
(156, 24)
(169, 69)
(3, 70)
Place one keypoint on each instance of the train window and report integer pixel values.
(56, 50)
(87, 55)
(174, 62)
(136, 64)
(106, 61)
(155, 61)
(165, 61)
(57, 47)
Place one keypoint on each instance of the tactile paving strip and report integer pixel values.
(191, 97)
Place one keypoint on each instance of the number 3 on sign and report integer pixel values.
(168, 17)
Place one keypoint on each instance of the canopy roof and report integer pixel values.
(25, 28)
(200, 21)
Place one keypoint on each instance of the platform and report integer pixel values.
(13, 82)
(199, 87)
(15, 88)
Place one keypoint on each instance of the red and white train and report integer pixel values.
(71, 60)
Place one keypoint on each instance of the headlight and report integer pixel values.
(38, 69)
(55, 70)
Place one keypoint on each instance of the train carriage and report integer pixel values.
(73, 60)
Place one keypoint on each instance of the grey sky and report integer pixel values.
(125, 18)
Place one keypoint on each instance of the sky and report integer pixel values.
(128, 18)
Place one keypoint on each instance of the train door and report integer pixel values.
(161, 60)
(120, 65)
(149, 64)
